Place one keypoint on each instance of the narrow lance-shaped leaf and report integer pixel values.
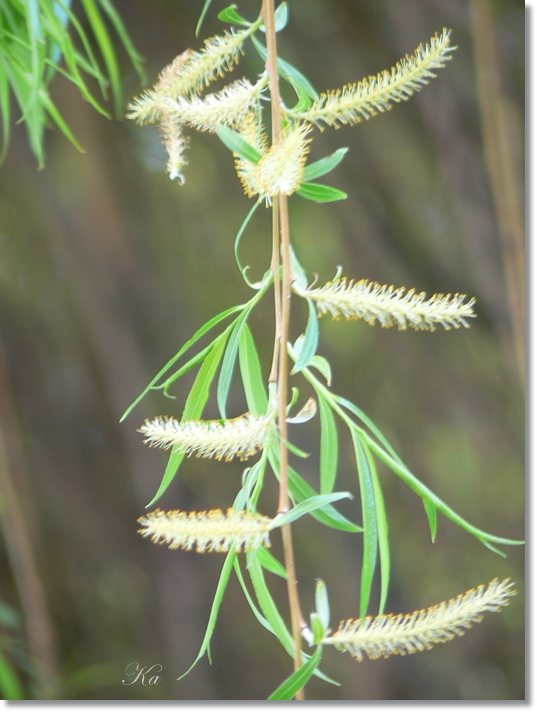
(199, 333)
(269, 609)
(107, 51)
(228, 365)
(295, 682)
(287, 71)
(228, 14)
(310, 341)
(193, 408)
(430, 511)
(261, 619)
(220, 590)
(329, 447)
(320, 193)
(382, 524)
(252, 378)
(300, 490)
(369, 521)
(236, 144)
(310, 505)
(324, 165)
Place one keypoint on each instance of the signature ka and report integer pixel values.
(146, 675)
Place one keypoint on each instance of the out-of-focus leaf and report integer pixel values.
(295, 682)
(194, 405)
(218, 596)
(236, 144)
(324, 165)
(252, 378)
(329, 448)
(320, 193)
(230, 15)
(369, 521)
(310, 341)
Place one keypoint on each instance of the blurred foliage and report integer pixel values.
(39, 38)
(106, 267)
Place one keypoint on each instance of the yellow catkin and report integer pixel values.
(405, 634)
(228, 106)
(366, 98)
(207, 531)
(280, 168)
(390, 306)
(188, 74)
(221, 439)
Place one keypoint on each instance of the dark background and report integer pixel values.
(107, 267)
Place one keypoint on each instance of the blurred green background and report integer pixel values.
(107, 267)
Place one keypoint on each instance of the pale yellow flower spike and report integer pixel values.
(175, 143)
(252, 132)
(281, 167)
(413, 632)
(229, 106)
(207, 531)
(390, 306)
(366, 98)
(222, 439)
(188, 74)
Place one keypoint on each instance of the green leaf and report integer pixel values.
(266, 603)
(251, 603)
(369, 521)
(295, 682)
(329, 447)
(288, 72)
(324, 165)
(206, 6)
(199, 333)
(309, 506)
(320, 193)
(219, 595)
(185, 368)
(430, 511)
(252, 378)
(269, 562)
(382, 524)
(298, 271)
(322, 607)
(194, 405)
(4, 111)
(425, 493)
(270, 610)
(9, 682)
(311, 340)
(46, 101)
(236, 144)
(300, 490)
(107, 50)
(230, 15)
(123, 35)
(322, 365)
(228, 364)
(280, 18)
(370, 424)
(242, 228)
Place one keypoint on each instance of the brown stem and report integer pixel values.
(282, 321)
(501, 170)
(21, 552)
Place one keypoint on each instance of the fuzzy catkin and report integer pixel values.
(207, 531)
(222, 439)
(389, 306)
(405, 634)
(364, 99)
